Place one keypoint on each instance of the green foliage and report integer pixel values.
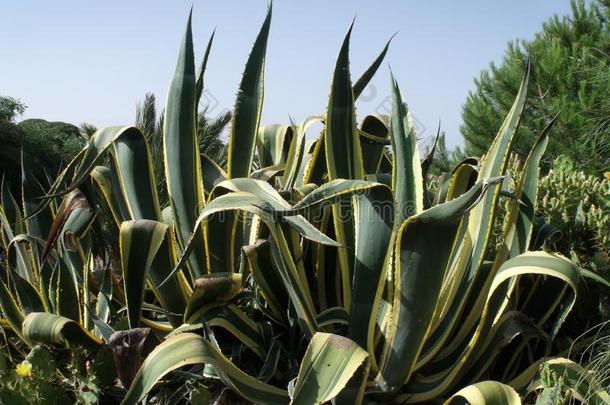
(561, 381)
(151, 125)
(87, 130)
(572, 219)
(46, 145)
(573, 212)
(46, 376)
(10, 135)
(569, 77)
(554, 388)
(210, 135)
(332, 273)
(10, 108)
(445, 159)
(53, 143)
(578, 205)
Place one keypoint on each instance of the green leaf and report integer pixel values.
(333, 316)
(485, 393)
(139, 242)
(334, 190)
(328, 365)
(135, 171)
(26, 294)
(248, 107)
(423, 248)
(429, 159)
(212, 289)
(189, 348)
(273, 202)
(475, 236)
(108, 184)
(549, 265)
(18, 256)
(582, 384)
(211, 172)
(50, 328)
(37, 225)
(343, 159)
(374, 136)
(494, 164)
(520, 222)
(72, 201)
(270, 366)
(499, 294)
(12, 213)
(42, 361)
(253, 204)
(11, 311)
(134, 164)
(233, 320)
(268, 281)
(316, 169)
(65, 292)
(181, 153)
(296, 155)
(407, 180)
(85, 162)
(204, 63)
(374, 215)
(368, 74)
(102, 307)
(298, 291)
(223, 245)
(343, 151)
(76, 242)
(273, 144)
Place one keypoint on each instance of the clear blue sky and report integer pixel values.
(83, 61)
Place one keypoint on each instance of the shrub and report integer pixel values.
(302, 271)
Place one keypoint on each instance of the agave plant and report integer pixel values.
(209, 135)
(309, 270)
(44, 293)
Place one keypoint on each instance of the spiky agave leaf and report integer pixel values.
(181, 153)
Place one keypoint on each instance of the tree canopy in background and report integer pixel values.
(46, 145)
(10, 108)
(570, 60)
(49, 145)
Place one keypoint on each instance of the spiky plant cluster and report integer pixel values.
(303, 271)
(578, 204)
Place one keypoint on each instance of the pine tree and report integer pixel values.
(570, 75)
